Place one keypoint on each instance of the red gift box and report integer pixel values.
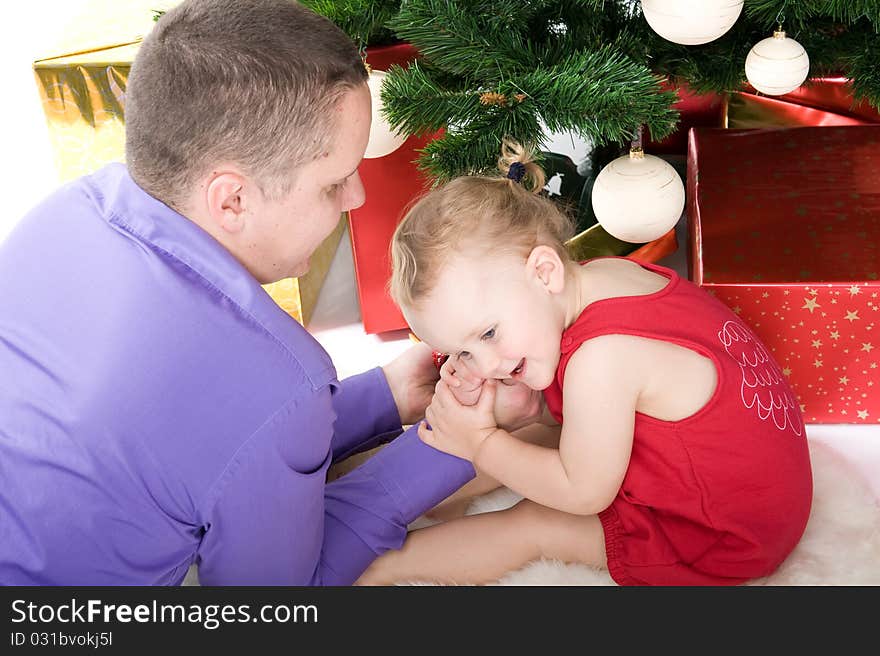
(695, 110)
(784, 227)
(391, 183)
(820, 102)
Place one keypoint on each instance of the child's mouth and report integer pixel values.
(519, 369)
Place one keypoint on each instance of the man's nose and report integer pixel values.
(354, 193)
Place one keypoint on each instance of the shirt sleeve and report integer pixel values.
(367, 414)
(369, 509)
(273, 520)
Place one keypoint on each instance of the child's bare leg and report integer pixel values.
(456, 504)
(480, 549)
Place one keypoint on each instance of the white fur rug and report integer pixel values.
(841, 545)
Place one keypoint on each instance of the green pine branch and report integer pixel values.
(604, 95)
(417, 103)
(500, 69)
(365, 21)
(512, 68)
(799, 14)
(464, 38)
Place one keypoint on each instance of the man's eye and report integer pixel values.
(335, 188)
(489, 334)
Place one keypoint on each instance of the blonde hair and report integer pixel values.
(497, 214)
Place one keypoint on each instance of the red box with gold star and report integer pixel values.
(783, 227)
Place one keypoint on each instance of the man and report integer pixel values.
(157, 409)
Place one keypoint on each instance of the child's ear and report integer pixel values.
(547, 267)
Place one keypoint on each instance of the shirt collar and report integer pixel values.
(128, 207)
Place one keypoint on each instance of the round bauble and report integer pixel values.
(383, 140)
(777, 65)
(638, 198)
(691, 22)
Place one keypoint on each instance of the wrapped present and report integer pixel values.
(596, 242)
(784, 227)
(819, 102)
(299, 296)
(695, 110)
(82, 87)
(391, 183)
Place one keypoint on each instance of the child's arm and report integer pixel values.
(585, 473)
(583, 476)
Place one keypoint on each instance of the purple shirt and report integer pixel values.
(158, 409)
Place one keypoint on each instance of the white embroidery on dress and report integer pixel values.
(763, 383)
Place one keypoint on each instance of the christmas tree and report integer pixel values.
(596, 68)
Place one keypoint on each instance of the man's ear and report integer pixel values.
(547, 267)
(228, 197)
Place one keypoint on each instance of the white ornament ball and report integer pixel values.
(382, 139)
(777, 65)
(691, 22)
(638, 198)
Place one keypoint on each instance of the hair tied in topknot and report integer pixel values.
(516, 171)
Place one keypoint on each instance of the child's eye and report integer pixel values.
(489, 334)
(464, 355)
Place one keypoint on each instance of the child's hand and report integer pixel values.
(516, 404)
(458, 429)
(464, 385)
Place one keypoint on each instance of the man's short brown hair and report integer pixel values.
(250, 82)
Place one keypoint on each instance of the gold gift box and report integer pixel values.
(82, 88)
(596, 242)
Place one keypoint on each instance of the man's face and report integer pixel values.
(289, 229)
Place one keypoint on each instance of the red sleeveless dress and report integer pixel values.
(721, 496)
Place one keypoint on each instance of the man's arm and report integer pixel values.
(371, 416)
(272, 519)
(369, 509)
(373, 405)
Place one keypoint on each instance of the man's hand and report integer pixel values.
(411, 377)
